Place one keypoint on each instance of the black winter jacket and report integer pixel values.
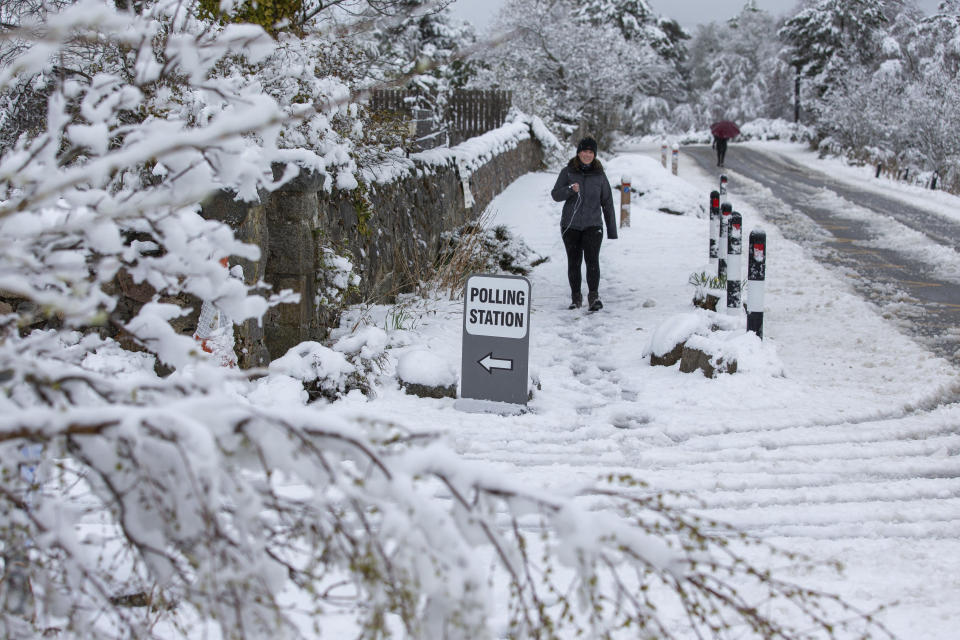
(593, 206)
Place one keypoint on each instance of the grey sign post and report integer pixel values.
(496, 338)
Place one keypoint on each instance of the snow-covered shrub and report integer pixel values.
(352, 364)
(337, 285)
(707, 289)
(637, 81)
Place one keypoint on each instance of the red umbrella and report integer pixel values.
(724, 129)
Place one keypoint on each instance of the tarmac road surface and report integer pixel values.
(851, 228)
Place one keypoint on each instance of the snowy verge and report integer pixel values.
(765, 129)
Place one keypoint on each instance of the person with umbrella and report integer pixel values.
(722, 131)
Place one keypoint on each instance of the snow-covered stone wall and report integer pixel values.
(389, 227)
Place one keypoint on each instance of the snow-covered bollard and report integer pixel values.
(714, 229)
(725, 210)
(663, 155)
(625, 201)
(723, 186)
(756, 276)
(734, 251)
(676, 158)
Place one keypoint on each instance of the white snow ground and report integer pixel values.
(838, 436)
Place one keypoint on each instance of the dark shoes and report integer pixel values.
(594, 300)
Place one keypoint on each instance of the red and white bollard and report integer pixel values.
(676, 158)
(734, 251)
(723, 187)
(725, 211)
(756, 276)
(714, 229)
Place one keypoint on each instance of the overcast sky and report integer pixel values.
(688, 13)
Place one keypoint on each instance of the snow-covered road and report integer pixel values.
(838, 436)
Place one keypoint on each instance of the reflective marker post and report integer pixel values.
(663, 154)
(676, 159)
(723, 187)
(756, 276)
(725, 211)
(625, 201)
(714, 229)
(734, 251)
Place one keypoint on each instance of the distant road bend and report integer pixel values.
(884, 273)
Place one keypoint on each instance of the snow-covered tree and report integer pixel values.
(426, 48)
(828, 38)
(901, 108)
(589, 67)
(735, 72)
(933, 43)
(935, 73)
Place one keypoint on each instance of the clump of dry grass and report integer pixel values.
(478, 247)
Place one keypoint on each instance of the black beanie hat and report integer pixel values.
(587, 144)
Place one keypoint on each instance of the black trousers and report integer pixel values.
(721, 150)
(583, 245)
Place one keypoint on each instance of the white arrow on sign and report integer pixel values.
(490, 363)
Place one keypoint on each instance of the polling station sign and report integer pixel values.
(496, 338)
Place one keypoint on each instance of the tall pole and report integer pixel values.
(625, 201)
(796, 96)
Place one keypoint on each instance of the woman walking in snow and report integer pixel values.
(587, 199)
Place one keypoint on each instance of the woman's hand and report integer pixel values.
(575, 186)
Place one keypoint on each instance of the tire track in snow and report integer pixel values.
(886, 491)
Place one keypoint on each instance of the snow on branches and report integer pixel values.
(212, 500)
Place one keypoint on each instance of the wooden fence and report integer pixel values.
(474, 112)
(469, 113)
(399, 100)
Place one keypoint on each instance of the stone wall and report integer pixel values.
(390, 230)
